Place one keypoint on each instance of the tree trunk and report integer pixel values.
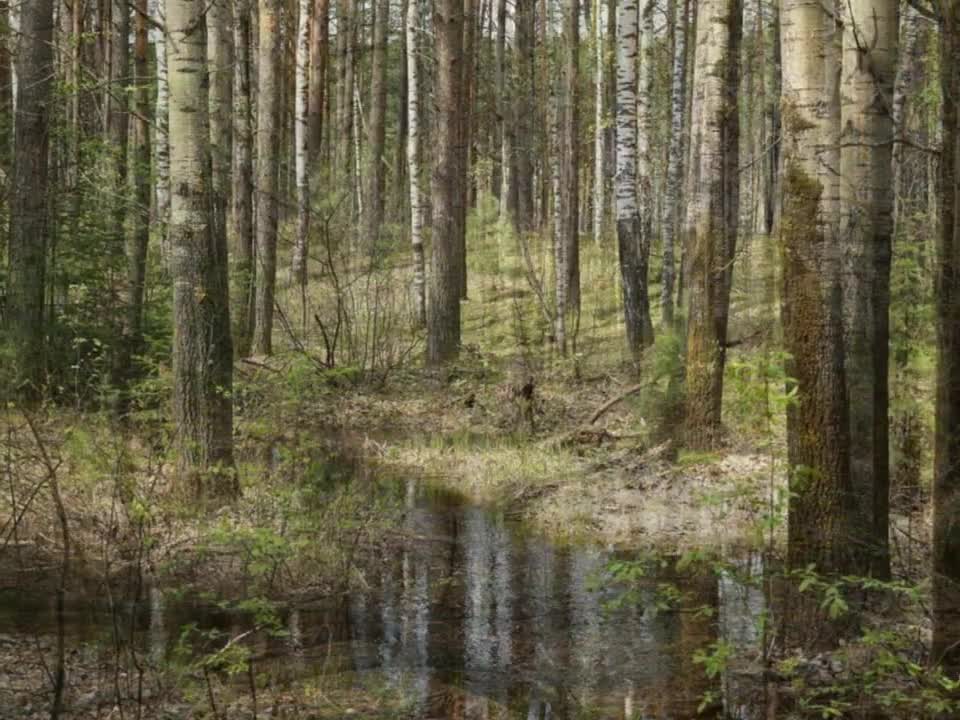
(908, 72)
(319, 42)
(301, 153)
(26, 251)
(569, 241)
(376, 130)
(523, 92)
(268, 133)
(413, 161)
(220, 60)
(443, 326)
(818, 516)
(674, 163)
(6, 89)
(504, 125)
(712, 213)
(161, 152)
(771, 124)
(599, 130)
(202, 352)
(946, 473)
(466, 134)
(630, 239)
(870, 40)
(242, 273)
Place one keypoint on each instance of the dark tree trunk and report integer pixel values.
(319, 43)
(443, 321)
(29, 223)
(376, 129)
(946, 473)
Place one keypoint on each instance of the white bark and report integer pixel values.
(161, 151)
(625, 178)
(598, 129)
(413, 160)
(301, 133)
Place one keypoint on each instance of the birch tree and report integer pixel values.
(202, 352)
(818, 517)
(161, 149)
(301, 153)
(412, 25)
(220, 59)
(870, 41)
(630, 239)
(27, 244)
(946, 471)
(598, 125)
(268, 134)
(242, 273)
(712, 212)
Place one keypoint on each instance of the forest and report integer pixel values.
(480, 359)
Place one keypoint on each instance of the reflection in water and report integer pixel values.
(471, 619)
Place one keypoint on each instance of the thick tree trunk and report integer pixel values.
(946, 472)
(712, 213)
(630, 239)
(818, 517)
(443, 322)
(202, 352)
(301, 153)
(675, 156)
(242, 273)
(268, 134)
(870, 41)
(412, 21)
(376, 130)
(29, 224)
(319, 43)
(220, 60)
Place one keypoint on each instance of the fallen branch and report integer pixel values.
(614, 401)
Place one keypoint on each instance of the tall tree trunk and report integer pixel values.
(630, 239)
(6, 88)
(319, 43)
(908, 71)
(301, 153)
(818, 516)
(140, 226)
(29, 222)
(412, 24)
(645, 168)
(504, 124)
(202, 352)
(870, 41)
(443, 322)
(220, 60)
(675, 155)
(523, 92)
(466, 133)
(713, 212)
(599, 130)
(161, 152)
(242, 272)
(770, 182)
(946, 472)
(568, 281)
(376, 130)
(268, 134)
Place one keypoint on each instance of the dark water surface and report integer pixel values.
(473, 617)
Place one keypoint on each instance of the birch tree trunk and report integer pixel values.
(161, 151)
(220, 61)
(27, 245)
(443, 321)
(412, 25)
(376, 132)
(819, 511)
(630, 240)
(242, 273)
(268, 134)
(301, 153)
(946, 473)
(713, 212)
(202, 352)
(870, 41)
(674, 163)
(599, 130)
(644, 133)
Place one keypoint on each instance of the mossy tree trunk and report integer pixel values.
(202, 348)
